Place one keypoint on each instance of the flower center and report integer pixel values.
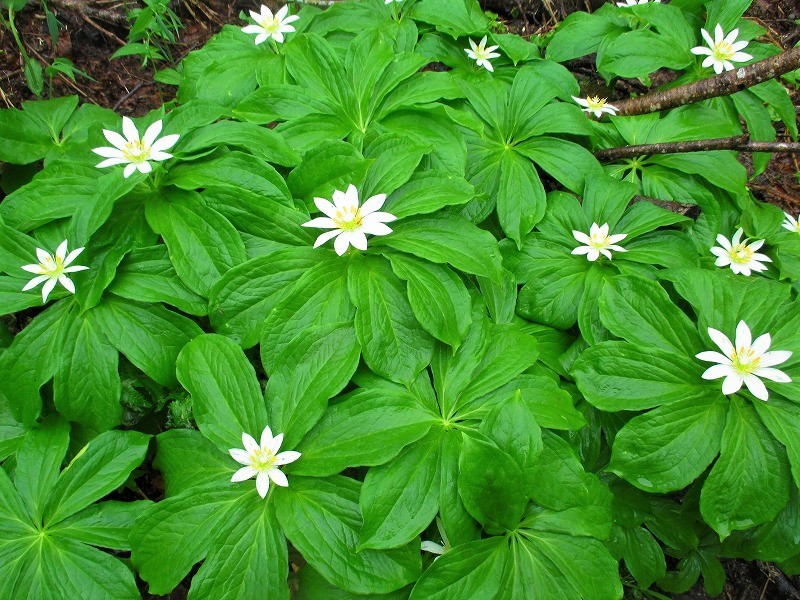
(596, 102)
(263, 460)
(271, 25)
(598, 241)
(52, 267)
(745, 360)
(348, 218)
(741, 254)
(723, 51)
(136, 152)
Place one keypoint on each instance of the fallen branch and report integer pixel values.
(739, 143)
(682, 208)
(725, 84)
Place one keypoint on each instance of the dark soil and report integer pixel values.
(92, 30)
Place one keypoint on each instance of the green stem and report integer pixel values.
(15, 33)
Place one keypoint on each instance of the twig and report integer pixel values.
(5, 98)
(719, 85)
(84, 8)
(113, 36)
(740, 143)
(682, 208)
(135, 89)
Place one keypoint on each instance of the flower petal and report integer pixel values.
(284, 458)
(110, 162)
(358, 239)
(129, 130)
(341, 243)
(35, 269)
(48, 287)
(376, 228)
(152, 132)
(129, 169)
(266, 437)
(240, 456)
(61, 251)
(744, 338)
(324, 237)
(34, 282)
(773, 375)
(278, 477)
(776, 357)
(732, 384)
(721, 340)
(756, 387)
(165, 143)
(325, 206)
(249, 443)
(372, 204)
(262, 483)
(718, 371)
(273, 444)
(321, 223)
(67, 283)
(715, 357)
(115, 139)
(244, 474)
(108, 152)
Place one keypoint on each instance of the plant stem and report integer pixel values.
(724, 84)
(740, 143)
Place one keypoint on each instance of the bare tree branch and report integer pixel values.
(740, 143)
(725, 84)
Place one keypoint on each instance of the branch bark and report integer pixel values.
(740, 143)
(724, 84)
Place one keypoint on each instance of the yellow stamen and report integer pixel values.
(136, 151)
(741, 254)
(348, 218)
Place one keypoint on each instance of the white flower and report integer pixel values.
(722, 51)
(435, 548)
(628, 3)
(348, 222)
(598, 242)
(262, 461)
(791, 223)
(390, 1)
(596, 105)
(744, 363)
(269, 25)
(741, 256)
(133, 150)
(481, 54)
(52, 269)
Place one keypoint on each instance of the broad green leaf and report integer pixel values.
(247, 557)
(427, 192)
(243, 297)
(438, 297)
(30, 134)
(720, 168)
(666, 449)
(202, 244)
(568, 162)
(520, 197)
(395, 158)
(445, 239)
(147, 275)
(39, 458)
(281, 103)
(188, 459)
(473, 570)
(551, 406)
(512, 426)
(313, 585)
(638, 53)
(319, 296)
(226, 396)
(12, 432)
(322, 520)
(105, 524)
(310, 370)
(553, 286)
(640, 311)
(620, 376)
(393, 342)
(174, 534)
(580, 34)
(401, 498)
(103, 465)
(491, 484)
(453, 18)
(330, 165)
(782, 418)
(87, 386)
(150, 336)
(30, 362)
(749, 483)
(643, 556)
(368, 427)
(261, 141)
(313, 63)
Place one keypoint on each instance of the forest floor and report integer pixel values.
(92, 30)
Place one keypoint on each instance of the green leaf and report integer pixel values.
(491, 484)
(512, 426)
(395, 158)
(174, 534)
(103, 465)
(720, 168)
(149, 335)
(453, 18)
(247, 557)
(39, 458)
(643, 556)
(261, 141)
(438, 297)
(12, 432)
(428, 192)
(188, 459)
(322, 520)
(239, 301)
(105, 524)
(568, 162)
(580, 34)
(368, 427)
(749, 483)
(782, 418)
(147, 275)
(473, 570)
(281, 102)
(520, 198)
(445, 239)
(310, 370)
(30, 134)
(30, 362)
(640, 311)
(226, 396)
(666, 449)
(401, 498)
(620, 376)
(319, 296)
(330, 165)
(639, 53)
(202, 244)
(551, 406)
(393, 342)
(314, 65)
(87, 387)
